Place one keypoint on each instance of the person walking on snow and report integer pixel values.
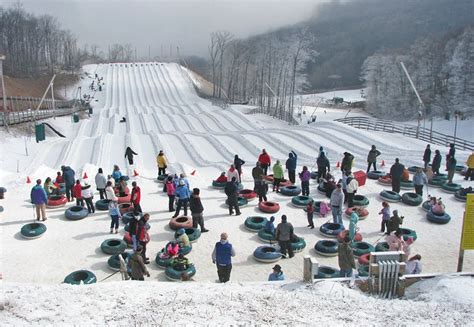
(183, 193)
(115, 214)
(277, 176)
(39, 199)
(323, 166)
(138, 268)
(77, 191)
(110, 193)
(88, 196)
(69, 178)
(396, 172)
(232, 191)
(170, 190)
(336, 202)
(451, 168)
(436, 164)
(354, 219)
(372, 158)
(352, 186)
(347, 161)
(451, 153)
(222, 258)
(129, 155)
(116, 173)
(284, 234)
(470, 167)
(238, 165)
(162, 163)
(419, 181)
(291, 163)
(197, 209)
(345, 258)
(142, 235)
(427, 156)
(100, 183)
(265, 161)
(136, 197)
(232, 172)
(305, 176)
(385, 212)
(257, 174)
(262, 189)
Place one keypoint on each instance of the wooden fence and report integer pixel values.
(24, 103)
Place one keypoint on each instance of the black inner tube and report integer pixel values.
(76, 209)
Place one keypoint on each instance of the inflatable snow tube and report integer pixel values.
(407, 233)
(80, 277)
(375, 174)
(33, 230)
(56, 201)
(385, 180)
(218, 185)
(298, 244)
(76, 213)
(363, 270)
(442, 176)
(127, 227)
(450, 187)
(381, 247)
(181, 222)
(460, 197)
(321, 189)
(459, 168)
(301, 201)
(247, 194)
(364, 259)
(438, 219)
(291, 190)
(344, 233)
(426, 205)
(390, 196)
(360, 248)
(241, 201)
(361, 212)
(327, 248)
(360, 201)
(113, 246)
(327, 272)
(269, 207)
(127, 238)
(285, 183)
(407, 185)
(102, 205)
(267, 254)
(175, 275)
(162, 178)
(331, 229)
(255, 223)
(124, 199)
(114, 261)
(185, 249)
(125, 207)
(265, 236)
(414, 169)
(127, 217)
(163, 260)
(269, 178)
(412, 199)
(193, 234)
(314, 174)
(437, 181)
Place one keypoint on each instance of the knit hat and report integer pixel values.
(283, 218)
(181, 231)
(272, 218)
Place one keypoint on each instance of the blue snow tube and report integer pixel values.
(426, 205)
(360, 201)
(375, 174)
(407, 185)
(175, 275)
(327, 272)
(327, 248)
(265, 236)
(185, 249)
(450, 187)
(291, 190)
(412, 199)
(438, 219)
(321, 188)
(390, 196)
(331, 229)
(193, 234)
(113, 246)
(102, 205)
(298, 244)
(267, 254)
(33, 230)
(460, 196)
(301, 201)
(163, 261)
(360, 248)
(76, 213)
(80, 276)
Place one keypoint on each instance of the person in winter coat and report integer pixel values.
(372, 158)
(438, 208)
(39, 199)
(385, 212)
(352, 186)
(337, 202)
(232, 191)
(451, 153)
(396, 172)
(265, 161)
(278, 176)
(413, 265)
(427, 156)
(59, 179)
(49, 187)
(257, 174)
(142, 235)
(222, 178)
(346, 164)
(232, 172)
(136, 197)
(310, 214)
(397, 243)
(262, 189)
(323, 165)
(222, 258)
(284, 234)
(291, 163)
(116, 174)
(419, 180)
(129, 155)
(133, 230)
(115, 214)
(170, 190)
(162, 163)
(88, 196)
(305, 176)
(180, 263)
(69, 179)
(270, 226)
(138, 268)
(183, 194)
(182, 177)
(354, 219)
(345, 258)
(436, 164)
(394, 222)
(77, 191)
(451, 168)
(470, 168)
(238, 165)
(101, 183)
(182, 238)
(324, 209)
(277, 274)
(344, 178)
(122, 187)
(197, 209)
(109, 192)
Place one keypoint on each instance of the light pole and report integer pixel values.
(4, 95)
(455, 126)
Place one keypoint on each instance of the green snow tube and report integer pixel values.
(363, 271)
(80, 276)
(438, 219)
(360, 248)
(327, 248)
(459, 168)
(266, 237)
(298, 245)
(413, 169)
(162, 178)
(175, 275)
(360, 201)
(407, 185)
(102, 205)
(114, 261)
(450, 187)
(301, 201)
(163, 261)
(33, 230)
(426, 205)
(193, 234)
(381, 247)
(241, 201)
(406, 232)
(412, 199)
(390, 196)
(327, 272)
(437, 181)
(216, 184)
(375, 174)
(255, 223)
(113, 246)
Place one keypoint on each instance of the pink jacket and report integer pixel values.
(170, 188)
(324, 208)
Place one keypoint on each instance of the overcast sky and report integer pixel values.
(183, 23)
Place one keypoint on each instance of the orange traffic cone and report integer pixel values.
(383, 163)
(28, 180)
(85, 176)
(193, 173)
(135, 173)
(338, 165)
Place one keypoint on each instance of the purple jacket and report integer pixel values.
(305, 176)
(38, 195)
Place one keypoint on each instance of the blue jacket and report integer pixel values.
(420, 179)
(38, 195)
(276, 276)
(116, 175)
(69, 176)
(291, 161)
(224, 253)
(269, 227)
(182, 192)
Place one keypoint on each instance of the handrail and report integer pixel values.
(423, 134)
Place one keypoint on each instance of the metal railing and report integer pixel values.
(17, 117)
(423, 134)
(15, 103)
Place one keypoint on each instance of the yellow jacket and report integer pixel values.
(161, 161)
(470, 161)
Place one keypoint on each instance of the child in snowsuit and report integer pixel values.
(385, 212)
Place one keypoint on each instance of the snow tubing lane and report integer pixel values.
(193, 234)
(407, 185)
(175, 275)
(298, 245)
(327, 272)
(56, 201)
(76, 213)
(450, 187)
(80, 276)
(390, 196)
(385, 180)
(266, 237)
(361, 212)
(113, 246)
(364, 259)
(360, 201)
(357, 237)
(255, 223)
(181, 222)
(33, 230)
(438, 219)
(291, 190)
(327, 248)
(218, 185)
(162, 261)
(436, 181)
(247, 194)
(426, 205)
(267, 254)
(407, 233)
(241, 201)
(269, 207)
(301, 201)
(412, 199)
(375, 174)
(360, 248)
(382, 247)
(102, 205)
(331, 229)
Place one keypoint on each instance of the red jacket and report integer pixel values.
(59, 179)
(264, 158)
(136, 195)
(77, 191)
(221, 179)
